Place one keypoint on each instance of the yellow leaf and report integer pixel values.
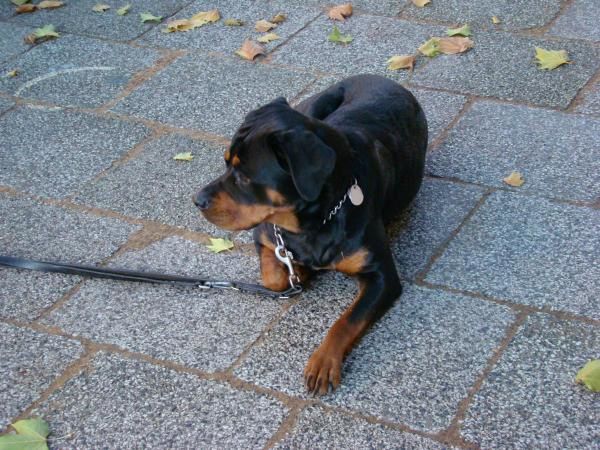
(421, 3)
(262, 26)
(401, 62)
(147, 17)
(340, 12)
(589, 375)
(495, 20)
(551, 59)
(185, 156)
(515, 179)
(50, 4)
(430, 48)
(233, 22)
(465, 30)
(45, 32)
(100, 7)
(219, 245)
(250, 50)
(123, 10)
(12, 73)
(455, 44)
(338, 37)
(278, 18)
(268, 38)
(207, 16)
(26, 8)
(197, 20)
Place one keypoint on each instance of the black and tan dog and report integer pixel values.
(293, 166)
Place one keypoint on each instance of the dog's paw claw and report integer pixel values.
(322, 370)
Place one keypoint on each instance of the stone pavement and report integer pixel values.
(501, 302)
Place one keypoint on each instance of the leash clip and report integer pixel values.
(286, 257)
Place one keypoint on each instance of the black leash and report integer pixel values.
(145, 277)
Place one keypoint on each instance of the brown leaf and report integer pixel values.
(340, 12)
(266, 38)
(421, 3)
(262, 26)
(250, 50)
(401, 62)
(279, 18)
(206, 16)
(454, 44)
(26, 8)
(515, 179)
(50, 4)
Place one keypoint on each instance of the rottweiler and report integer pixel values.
(329, 173)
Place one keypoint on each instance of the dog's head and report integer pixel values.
(277, 162)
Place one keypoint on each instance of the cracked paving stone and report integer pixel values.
(78, 17)
(209, 93)
(502, 65)
(317, 428)
(205, 329)
(218, 37)
(168, 185)
(76, 71)
(53, 151)
(31, 230)
(367, 53)
(558, 154)
(414, 367)
(530, 399)
(31, 361)
(121, 403)
(5, 104)
(514, 14)
(579, 21)
(529, 251)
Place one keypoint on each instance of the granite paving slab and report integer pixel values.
(210, 93)
(530, 399)
(503, 65)
(11, 41)
(579, 21)
(218, 37)
(414, 367)
(558, 154)
(513, 14)
(381, 7)
(317, 428)
(79, 18)
(202, 329)
(76, 71)
(121, 403)
(437, 211)
(5, 104)
(154, 186)
(375, 40)
(590, 104)
(7, 9)
(52, 152)
(527, 250)
(30, 362)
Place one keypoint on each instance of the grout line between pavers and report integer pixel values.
(291, 36)
(162, 22)
(441, 137)
(538, 31)
(583, 92)
(452, 433)
(285, 427)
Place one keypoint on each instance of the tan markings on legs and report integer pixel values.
(353, 263)
(273, 272)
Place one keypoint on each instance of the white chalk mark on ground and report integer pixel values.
(41, 78)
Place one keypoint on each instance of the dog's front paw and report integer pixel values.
(324, 368)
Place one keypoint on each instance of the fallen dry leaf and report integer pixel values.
(421, 3)
(262, 26)
(19, 2)
(338, 37)
(430, 48)
(279, 18)
(123, 10)
(455, 44)
(589, 375)
(340, 12)
(45, 32)
(26, 8)
(266, 38)
(207, 16)
(233, 22)
(185, 156)
(401, 62)
(515, 179)
(250, 50)
(12, 73)
(50, 4)
(551, 59)
(100, 7)
(465, 30)
(219, 245)
(197, 20)
(147, 17)
(495, 20)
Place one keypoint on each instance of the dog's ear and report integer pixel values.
(309, 160)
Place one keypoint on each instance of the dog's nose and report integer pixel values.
(201, 200)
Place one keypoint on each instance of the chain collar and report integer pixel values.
(337, 207)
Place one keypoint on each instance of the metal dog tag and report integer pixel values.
(356, 194)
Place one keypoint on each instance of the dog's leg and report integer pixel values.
(273, 273)
(379, 287)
